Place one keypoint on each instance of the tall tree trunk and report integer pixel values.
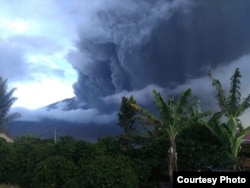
(172, 153)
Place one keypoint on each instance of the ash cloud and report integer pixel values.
(130, 48)
(133, 45)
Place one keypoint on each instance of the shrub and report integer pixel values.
(55, 172)
(106, 171)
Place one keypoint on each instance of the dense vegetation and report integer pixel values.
(33, 162)
(133, 159)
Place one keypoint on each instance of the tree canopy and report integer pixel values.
(126, 114)
(6, 101)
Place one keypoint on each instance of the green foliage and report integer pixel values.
(175, 115)
(172, 114)
(110, 146)
(198, 147)
(106, 171)
(7, 161)
(232, 107)
(150, 161)
(8, 186)
(55, 172)
(84, 150)
(126, 114)
(6, 101)
(29, 151)
(66, 147)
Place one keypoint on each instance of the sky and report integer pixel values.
(100, 50)
(33, 42)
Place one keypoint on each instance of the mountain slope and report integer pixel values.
(46, 128)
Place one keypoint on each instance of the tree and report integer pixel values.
(7, 162)
(126, 114)
(6, 101)
(29, 151)
(55, 172)
(202, 148)
(232, 107)
(174, 116)
(106, 171)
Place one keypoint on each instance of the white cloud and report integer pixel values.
(143, 96)
(48, 90)
(84, 116)
(34, 38)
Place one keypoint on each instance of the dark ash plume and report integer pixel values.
(157, 42)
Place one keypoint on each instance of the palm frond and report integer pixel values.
(182, 104)
(146, 115)
(245, 104)
(235, 95)
(238, 140)
(220, 92)
(163, 107)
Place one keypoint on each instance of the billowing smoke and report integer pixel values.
(134, 44)
(124, 48)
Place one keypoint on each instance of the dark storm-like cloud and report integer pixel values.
(114, 58)
(171, 44)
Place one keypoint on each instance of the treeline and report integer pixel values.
(70, 163)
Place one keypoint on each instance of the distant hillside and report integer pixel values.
(47, 128)
(69, 104)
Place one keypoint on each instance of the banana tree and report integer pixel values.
(232, 107)
(175, 114)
